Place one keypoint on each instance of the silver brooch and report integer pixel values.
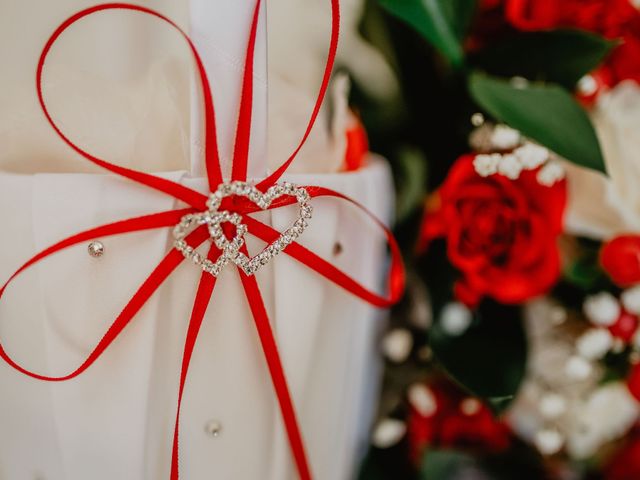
(214, 218)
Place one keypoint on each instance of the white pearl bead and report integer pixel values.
(96, 249)
(213, 428)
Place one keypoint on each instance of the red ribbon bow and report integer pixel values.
(197, 203)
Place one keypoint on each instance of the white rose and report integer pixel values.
(602, 206)
(608, 413)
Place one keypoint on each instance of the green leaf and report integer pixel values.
(489, 359)
(412, 177)
(546, 113)
(370, 470)
(444, 464)
(443, 23)
(561, 56)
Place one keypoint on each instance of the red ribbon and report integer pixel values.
(197, 202)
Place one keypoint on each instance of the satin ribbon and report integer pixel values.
(196, 202)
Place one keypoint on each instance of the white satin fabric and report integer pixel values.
(121, 89)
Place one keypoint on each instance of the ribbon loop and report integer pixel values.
(212, 157)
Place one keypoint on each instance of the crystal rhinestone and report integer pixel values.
(96, 249)
(213, 428)
(307, 211)
(213, 218)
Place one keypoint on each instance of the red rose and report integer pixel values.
(613, 19)
(620, 258)
(633, 381)
(624, 61)
(458, 421)
(490, 4)
(625, 464)
(500, 233)
(533, 14)
(357, 145)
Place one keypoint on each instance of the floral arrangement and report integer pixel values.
(513, 135)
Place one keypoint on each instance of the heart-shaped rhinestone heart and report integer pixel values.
(214, 218)
(214, 221)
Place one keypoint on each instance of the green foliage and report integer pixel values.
(489, 359)
(442, 23)
(412, 175)
(444, 465)
(545, 113)
(560, 56)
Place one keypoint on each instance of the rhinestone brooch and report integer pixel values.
(214, 218)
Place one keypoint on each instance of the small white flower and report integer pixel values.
(397, 344)
(519, 82)
(631, 299)
(587, 85)
(455, 319)
(388, 433)
(510, 166)
(548, 442)
(552, 405)
(618, 345)
(504, 137)
(551, 173)
(477, 119)
(594, 343)
(577, 368)
(531, 155)
(486, 164)
(422, 399)
(602, 309)
(470, 406)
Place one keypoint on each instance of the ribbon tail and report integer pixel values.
(136, 224)
(276, 370)
(396, 276)
(203, 296)
(142, 295)
(148, 288)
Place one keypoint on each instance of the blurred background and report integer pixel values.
(511, 128)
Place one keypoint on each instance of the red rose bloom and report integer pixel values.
(500, 233)
(633, 381)
(625, 464)
(613, 19)
(620, 258)
(357, 145)
(458, 421)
